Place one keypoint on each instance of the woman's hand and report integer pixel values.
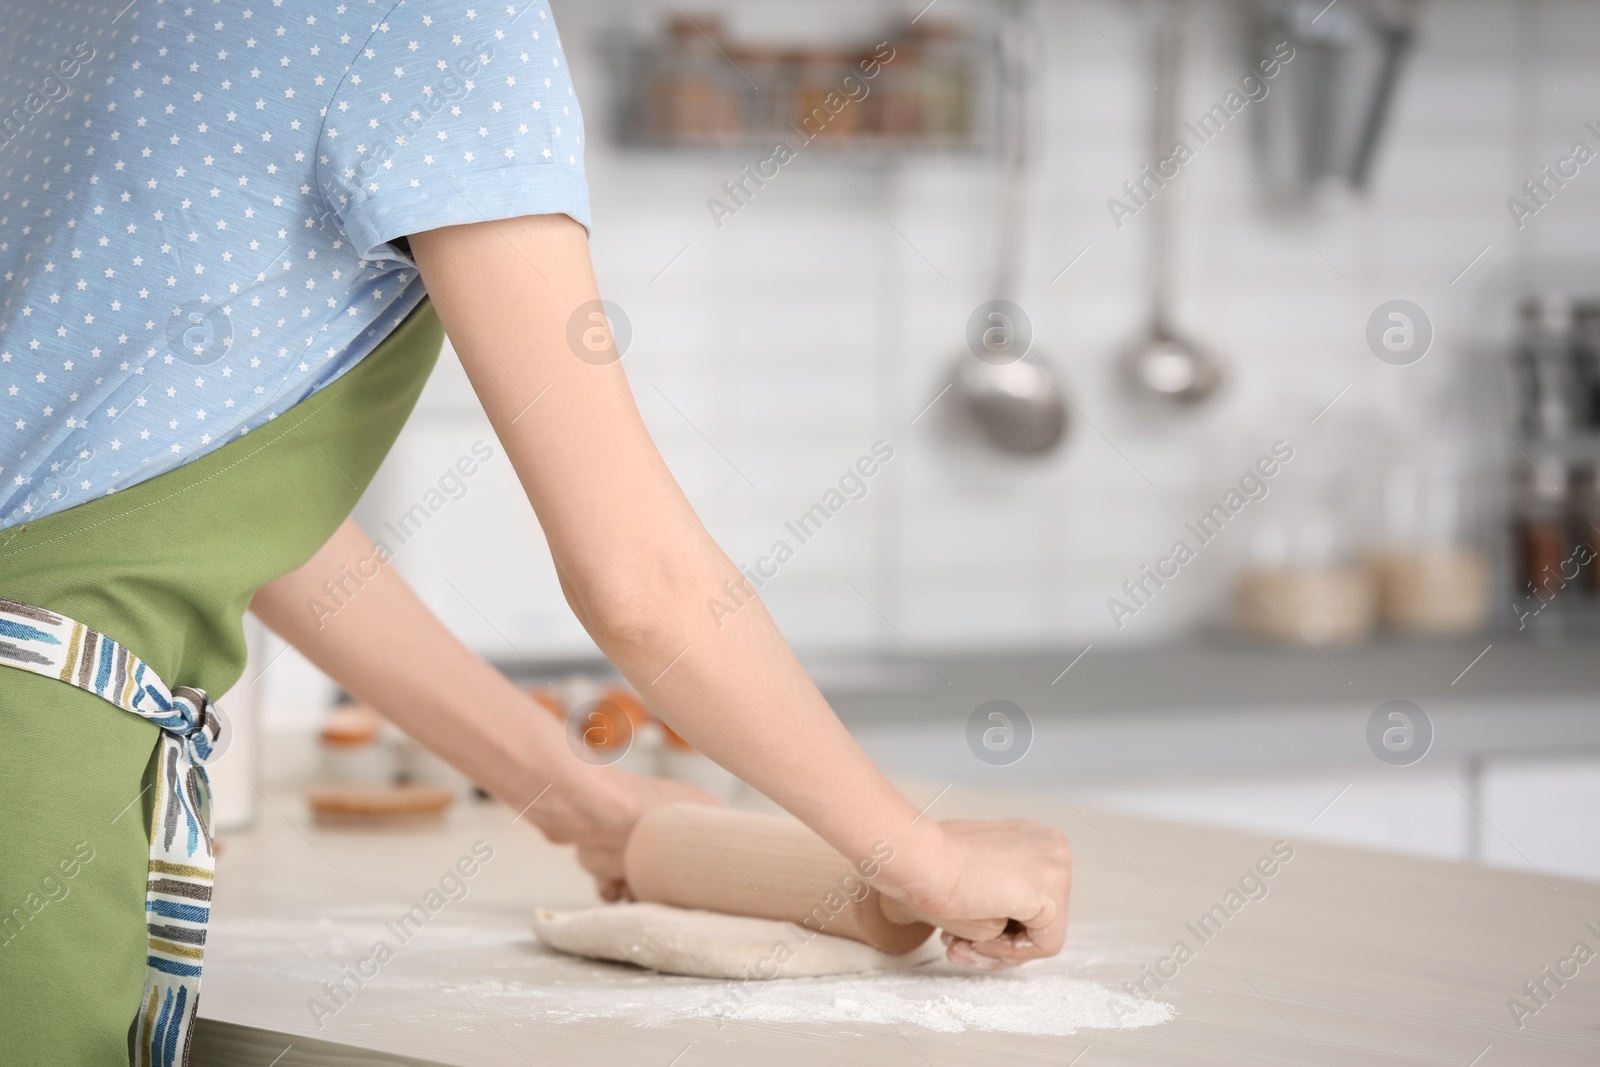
(600, 825)
(1016, 870)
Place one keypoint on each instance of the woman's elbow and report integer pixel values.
(621, 614)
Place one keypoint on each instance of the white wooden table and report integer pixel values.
(1352, 958)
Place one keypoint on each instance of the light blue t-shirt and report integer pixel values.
(198, 200)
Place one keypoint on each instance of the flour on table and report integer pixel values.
(707, 944)
(491, 965)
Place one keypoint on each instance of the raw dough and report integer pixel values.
(707, 944)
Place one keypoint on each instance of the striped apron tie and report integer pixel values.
(177, 899)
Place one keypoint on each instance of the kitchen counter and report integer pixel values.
(1351, 957)
(1213, 701)
(1221, 671)
(1209, 670)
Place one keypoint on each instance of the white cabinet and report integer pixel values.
(1420, 813)
(1544, 814)
(1540, 815)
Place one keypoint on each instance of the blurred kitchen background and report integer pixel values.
(1162, 344)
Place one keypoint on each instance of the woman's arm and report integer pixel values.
(639, 570)
(388, 650)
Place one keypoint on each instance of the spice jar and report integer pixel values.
(1542, 532)
(605, 724)
(767, 112)
(691, 95)
(825, 110)
(352, 748)
(900, 114)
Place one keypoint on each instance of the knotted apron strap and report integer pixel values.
(182, 862)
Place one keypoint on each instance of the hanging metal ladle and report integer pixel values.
(1009, 391)
(1164, 364)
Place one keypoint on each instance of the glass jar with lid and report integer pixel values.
(1306, 576)
(1433, 573)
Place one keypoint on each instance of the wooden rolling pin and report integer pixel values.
(773, 867)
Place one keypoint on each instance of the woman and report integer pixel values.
(229, 238)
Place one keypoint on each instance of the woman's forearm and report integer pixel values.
(385, 647)
(736, 691)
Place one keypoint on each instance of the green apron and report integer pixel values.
(167, 569)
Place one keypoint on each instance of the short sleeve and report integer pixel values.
(452, 113)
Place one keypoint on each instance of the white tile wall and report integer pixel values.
(808, 328)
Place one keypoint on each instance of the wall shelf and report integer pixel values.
(686, 86)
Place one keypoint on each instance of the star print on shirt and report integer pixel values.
(221, 175)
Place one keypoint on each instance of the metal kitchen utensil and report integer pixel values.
(1010, 391)
(1164, 364)
(1319, 127)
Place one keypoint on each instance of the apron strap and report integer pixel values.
(182, 859)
